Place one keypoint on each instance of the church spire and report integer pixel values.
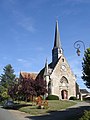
(57, 43)
(46, 68)
(57, 50)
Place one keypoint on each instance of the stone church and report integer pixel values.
(58, 75)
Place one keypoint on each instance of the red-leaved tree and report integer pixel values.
(40, 86)
(25, 89)
(28, 88)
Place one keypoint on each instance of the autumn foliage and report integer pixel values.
(42, 104)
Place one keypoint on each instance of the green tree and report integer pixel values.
(8, 76)
(86, 67)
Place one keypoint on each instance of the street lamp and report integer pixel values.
(77, 46)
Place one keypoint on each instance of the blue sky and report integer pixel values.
(27, 32)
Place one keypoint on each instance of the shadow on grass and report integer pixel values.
(68, 114)
(16, 106)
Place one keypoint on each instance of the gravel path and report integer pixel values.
(55, 115)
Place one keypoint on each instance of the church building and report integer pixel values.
(58, 75)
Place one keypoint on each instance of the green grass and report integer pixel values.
(53, 105)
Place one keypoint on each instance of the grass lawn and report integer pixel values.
(53, 105)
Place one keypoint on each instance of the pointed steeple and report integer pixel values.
(57, 50)
(46, 68)
(57, 43)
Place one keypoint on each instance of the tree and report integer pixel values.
(13, 91)
(28, 88)
(86, 67)
(24, 90)
(40, 86)
(8, 77)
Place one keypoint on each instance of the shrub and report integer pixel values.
(52, 97)
(88, 98)
(86, 115)
(1, 98)
(43, 105)
(72, 98)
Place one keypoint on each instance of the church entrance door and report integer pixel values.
(64, 94)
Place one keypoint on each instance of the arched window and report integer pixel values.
(64, 81)
(62, 59)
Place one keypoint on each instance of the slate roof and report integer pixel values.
(83, 91)
(57, 43)
(41, 73)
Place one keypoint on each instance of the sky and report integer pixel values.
(27, 29)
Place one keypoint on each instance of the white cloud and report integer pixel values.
(39, 48)
(27, 24)
(23, 21)
(24, 62)
(21, 60)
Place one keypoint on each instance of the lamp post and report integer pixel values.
(77, 46)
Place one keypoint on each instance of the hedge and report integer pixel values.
(86, 115)
(72, 98)
(52, 97)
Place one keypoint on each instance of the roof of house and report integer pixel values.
(83, 91)
(27, 75)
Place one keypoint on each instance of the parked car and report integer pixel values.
(8, 104)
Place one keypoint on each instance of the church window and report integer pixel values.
(62, 59)
(64, 80)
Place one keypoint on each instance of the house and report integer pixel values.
(27, 75)
(84, 93)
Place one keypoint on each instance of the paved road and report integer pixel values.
(73, 111)
(6, 115)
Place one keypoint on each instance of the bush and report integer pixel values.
(43, 105)
(72, 98)
(1, 98)
(86, 115)
(88, 98)
(52, 97)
